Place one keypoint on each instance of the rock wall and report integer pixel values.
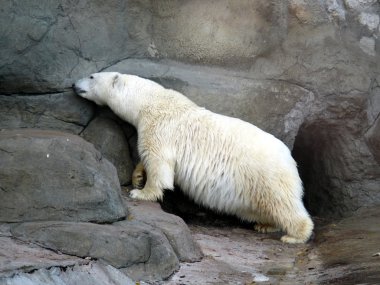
(306, 71)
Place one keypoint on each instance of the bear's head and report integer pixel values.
(98, 87)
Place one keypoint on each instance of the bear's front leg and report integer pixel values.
(160, 176)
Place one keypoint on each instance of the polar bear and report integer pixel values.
(224, 163)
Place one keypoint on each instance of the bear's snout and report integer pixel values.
(77, 89)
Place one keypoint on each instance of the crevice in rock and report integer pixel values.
(6, 151)
(21, 93)
(115, 62)
(67, 121)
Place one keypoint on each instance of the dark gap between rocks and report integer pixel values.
(315, 151)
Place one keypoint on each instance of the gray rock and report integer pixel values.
(61, 111)
(369, 20)
(162, 262)
(359, 4)
(110, 140)
(19, 257)
(91, 274)
(46, 175)
(107, 113)
(308, 12)
(69, 40)
(336, 10)
(27, 263)
(373, 139)
(142, 252)
(172, 226)
(368, 45)
(218, 37)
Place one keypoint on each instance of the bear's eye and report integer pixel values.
(91, 77)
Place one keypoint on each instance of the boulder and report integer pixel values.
(139, 249)
(68, 39)
(227, 33)
(90, 274)
(18, 257)
(174, 228)
(162, 261)
(58, 111)
(26, 263)
(108, 138)
(47, 175)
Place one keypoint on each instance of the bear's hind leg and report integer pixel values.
(263, 225)
(298, 231)
(289, 216)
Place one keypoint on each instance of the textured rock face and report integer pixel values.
(111, 141)
(68, 38)
(224, 33)
(373, 139)
(91, 274)
(60, 111)
(147, 246)
(55, 176)
(18, 259)
(142, 251)
(143, 248)
(276, 106)
(172, 226)
(296, 69)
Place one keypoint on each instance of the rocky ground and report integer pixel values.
(342, 252)
(345, 252)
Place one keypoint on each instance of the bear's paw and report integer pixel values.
(265, 228)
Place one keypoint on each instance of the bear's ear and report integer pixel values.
(115, 80)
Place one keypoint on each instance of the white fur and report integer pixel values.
(221, 162)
